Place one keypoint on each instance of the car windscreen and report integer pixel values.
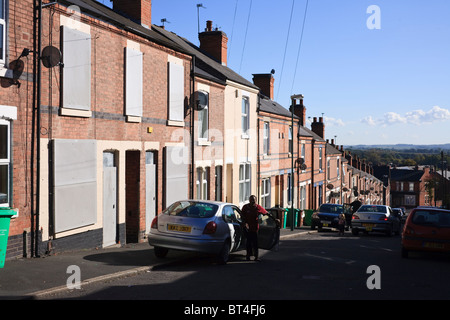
(376, 209)
(192, 209)
(431, 218)
(330, 208)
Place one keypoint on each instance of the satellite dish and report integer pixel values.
(202, 100)
(51, 57)
(330, 186)
(303, 166)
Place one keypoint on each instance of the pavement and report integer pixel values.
(32, 278)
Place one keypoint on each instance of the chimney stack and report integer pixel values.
(139, 11)
(214, 43)
(299, 109)
(318, 127)
(264, 81)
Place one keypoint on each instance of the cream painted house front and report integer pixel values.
(240, 143)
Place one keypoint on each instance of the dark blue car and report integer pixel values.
(327, 216)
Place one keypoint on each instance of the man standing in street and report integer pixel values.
(250, 213)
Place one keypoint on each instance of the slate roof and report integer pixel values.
(100, 11)
(332, 150)
(270, 106)
(406, 175)
(205, 65)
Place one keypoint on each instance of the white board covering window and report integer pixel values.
(133, 82)
(75, 183)
(176, 92)
(76, 79)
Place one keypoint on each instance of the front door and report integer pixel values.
(150, 195)
(109, 200)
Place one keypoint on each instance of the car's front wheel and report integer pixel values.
(160, 252)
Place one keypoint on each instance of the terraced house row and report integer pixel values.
(106, 119)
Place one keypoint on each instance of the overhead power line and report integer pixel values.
(246, 30)
(300, 45)
(285, 48)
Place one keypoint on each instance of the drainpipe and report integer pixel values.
(193, 104)
(258, 170)
(35, 204)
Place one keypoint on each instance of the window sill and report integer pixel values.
(175, 123)
(245, 136)
(134, 119)
(203, 142)
(75, 113)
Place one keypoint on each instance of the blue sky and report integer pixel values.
(373, 86)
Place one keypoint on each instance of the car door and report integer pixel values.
(269, 232)
(232, 216)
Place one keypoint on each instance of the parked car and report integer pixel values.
(328, 216)
(208, 227)
(426, 229)
(375, 218)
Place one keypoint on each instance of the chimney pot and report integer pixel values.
(209, 25)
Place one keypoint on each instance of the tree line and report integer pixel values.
(404, 157)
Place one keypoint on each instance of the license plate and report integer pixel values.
(433, 245)
(368, 226)
(179, 228)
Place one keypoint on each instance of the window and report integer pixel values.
(289, 188)
(337, 168)
(303, 154)
(411, 186)
(202, 183)
(291, 141)
(5, 163)
(265, 193)
(328, 169)
(320, 159)
(133, 82)
(266, 139)
(176, 92)
(203, 114)
(76, 79)
(245, 115)
(2, 31)
(244, 181)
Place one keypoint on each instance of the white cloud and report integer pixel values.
(417, 117)
(369, 120)
(334, 122)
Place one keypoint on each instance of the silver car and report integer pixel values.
(377, 218)
(206, 226)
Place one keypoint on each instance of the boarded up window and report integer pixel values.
(76, 79)
(133, 82)
(75, 183)
(176, 163)
(176, 92)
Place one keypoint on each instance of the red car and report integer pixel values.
(426, 229)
